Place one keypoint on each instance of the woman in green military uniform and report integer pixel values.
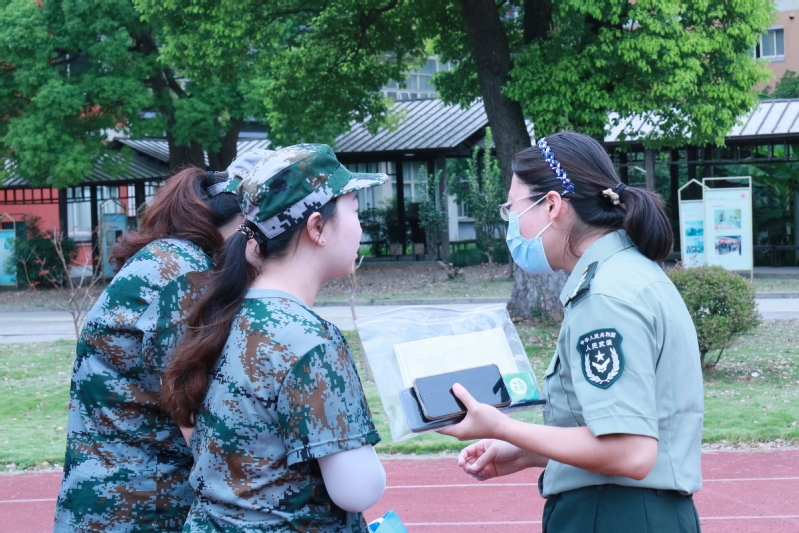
(282, 433)
(127, 465)
(621, 444)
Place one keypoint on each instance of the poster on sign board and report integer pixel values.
(692, 227)
(7, 235)
(728, 228)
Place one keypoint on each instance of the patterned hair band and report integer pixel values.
(554, 164)
(248, 232)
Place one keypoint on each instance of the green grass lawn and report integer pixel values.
(752, 396)
(776, 285)
(34, 392)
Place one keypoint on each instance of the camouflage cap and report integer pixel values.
(240, 166)
(288, 185)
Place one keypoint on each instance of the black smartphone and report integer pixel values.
(414, 416)
(484, 383)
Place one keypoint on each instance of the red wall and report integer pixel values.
(47, 212)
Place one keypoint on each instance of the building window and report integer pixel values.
(772, 44)
(413, 181)
(418, 84)
(373, 196)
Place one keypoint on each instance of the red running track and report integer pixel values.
(752, 492)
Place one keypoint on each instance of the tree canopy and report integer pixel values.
(786, 87)
(71, 72)
(320, 63)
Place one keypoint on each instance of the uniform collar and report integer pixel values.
(273, 293)
(602, 249)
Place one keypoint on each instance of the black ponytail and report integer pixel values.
(639, 212)
(647, 224)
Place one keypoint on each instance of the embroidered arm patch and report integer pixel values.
(602, 358)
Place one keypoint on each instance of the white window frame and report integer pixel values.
(772, 34)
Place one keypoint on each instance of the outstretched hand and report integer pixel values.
(481, 422)
(493, 458)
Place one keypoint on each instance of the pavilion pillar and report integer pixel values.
(649, 163)
(139, 198)
(401, 201)
(441, 164)
(624, 170)
(95, 220)
(674, 200)
(63, 216)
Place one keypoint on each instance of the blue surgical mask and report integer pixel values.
(527, 253)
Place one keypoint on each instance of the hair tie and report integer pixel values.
(554, 164)
(608, 193)
(247, 231)
(620, 189)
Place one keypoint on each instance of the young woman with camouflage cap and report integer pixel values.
(283, 435)
(127, 464)
(621, 444)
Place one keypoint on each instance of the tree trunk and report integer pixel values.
(182, 156)
(534, 296)
(222, 159)
(492, 54)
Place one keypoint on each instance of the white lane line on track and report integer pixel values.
(27, 501)
(439, 524)
(525, 522)
(764, 517)
(494, 485)
(458, 485)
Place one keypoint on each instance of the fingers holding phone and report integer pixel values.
(481, 421)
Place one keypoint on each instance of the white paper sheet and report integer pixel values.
(449, 353)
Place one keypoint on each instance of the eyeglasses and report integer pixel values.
(504, 209)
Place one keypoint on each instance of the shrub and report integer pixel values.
(722, 306)
(36, 258)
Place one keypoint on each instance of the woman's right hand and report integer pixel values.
(493, 458)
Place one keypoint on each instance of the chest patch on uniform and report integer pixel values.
(603, 360)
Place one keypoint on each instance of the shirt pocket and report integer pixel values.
(553, 365)
(549, 378)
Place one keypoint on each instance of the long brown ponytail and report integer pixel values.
(182, 210)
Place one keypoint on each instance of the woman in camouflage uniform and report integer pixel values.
(283, 436)
(127, 464)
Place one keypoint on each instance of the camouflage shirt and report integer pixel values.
(283, 393)
(127, 465)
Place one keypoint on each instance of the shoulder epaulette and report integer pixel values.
(585, 282)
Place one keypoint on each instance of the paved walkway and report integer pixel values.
(40, 326)
(752, 492)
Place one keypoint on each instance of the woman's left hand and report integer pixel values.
(482, 421)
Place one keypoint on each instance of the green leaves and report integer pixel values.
(686, 67)
(70, 74)
(485, 192)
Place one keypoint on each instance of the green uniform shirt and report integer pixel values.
(627, 361)
(283, 393)
(127, 465)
